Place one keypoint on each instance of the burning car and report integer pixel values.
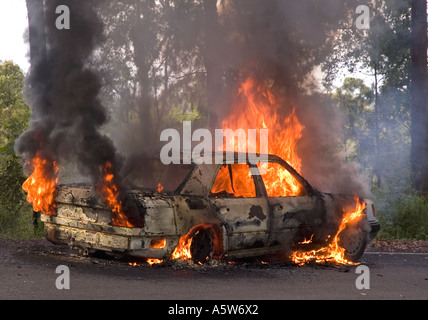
(221, 211)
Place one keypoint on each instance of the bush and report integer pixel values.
(16, 216)
(411, 219)
(19, 225)
(408, 219)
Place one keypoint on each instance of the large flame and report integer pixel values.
(333, 252)
(256, 107)
(109, 192)
(40, 185)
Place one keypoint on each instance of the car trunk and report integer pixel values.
(83, 220)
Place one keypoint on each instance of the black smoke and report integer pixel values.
(62, 90)
(278, 42)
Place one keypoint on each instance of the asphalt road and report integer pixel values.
(28, 271)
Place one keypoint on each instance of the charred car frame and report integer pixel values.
(221, 223)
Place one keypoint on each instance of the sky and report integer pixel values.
(13, 24)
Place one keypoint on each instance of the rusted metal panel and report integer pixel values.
(159, 217)
(191, 211)
(79, 195)
(293, 219)
(200, 181)
(84, 214)
(245, 220)
(79, 237)
(101, 227)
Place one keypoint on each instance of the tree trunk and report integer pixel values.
(377, 166)
(418, 97)
(142, 59)
(212, 60)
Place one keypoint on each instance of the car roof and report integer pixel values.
(261, 157)
(198, 180)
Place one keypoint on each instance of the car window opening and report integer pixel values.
(234, 181)
(279, 182)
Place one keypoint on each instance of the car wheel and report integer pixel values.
(202, 246)
(354, 240)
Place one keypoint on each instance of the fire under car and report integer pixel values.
(220, 211)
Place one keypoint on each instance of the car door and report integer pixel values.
(239, 204)
(295, 214)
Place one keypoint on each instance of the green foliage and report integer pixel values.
(14, 113)
(411, 220)
(15, 213)
(408, 219)
(378, 137)
(355, 99)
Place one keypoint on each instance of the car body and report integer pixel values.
(223, 225)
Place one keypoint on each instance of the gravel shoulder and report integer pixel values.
(409, 246)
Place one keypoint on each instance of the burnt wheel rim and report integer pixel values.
(354, 243)
(201, 248)
(353, 240)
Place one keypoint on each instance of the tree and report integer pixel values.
(384, 53)
(419, 97)
(150, 66)
(155, 50)
(355, 99)
(14, 113)
(14, 117)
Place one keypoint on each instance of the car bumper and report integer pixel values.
(374, 229)
(94, 237)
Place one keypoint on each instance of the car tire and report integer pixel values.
(354, 240)
(202, 246)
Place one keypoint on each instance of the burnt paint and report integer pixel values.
(195, 203)
(256, 212)
(242, 223)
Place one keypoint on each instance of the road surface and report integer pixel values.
(28, 271)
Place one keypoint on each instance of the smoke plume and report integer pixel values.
(63, 92)
(283, 42)
(275, 41)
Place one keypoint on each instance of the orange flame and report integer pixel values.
(307, 241)
(182, 250)
(40, 185)
(158, 243)
(109, 192)
(160, 187)
(333, 252)
(256, 107)
(154, 261)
